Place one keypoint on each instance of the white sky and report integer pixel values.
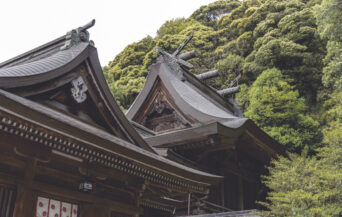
(26, 24)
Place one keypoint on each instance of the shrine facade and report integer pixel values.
(66, 148)
(191, 123)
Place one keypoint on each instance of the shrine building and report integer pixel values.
(67, 149)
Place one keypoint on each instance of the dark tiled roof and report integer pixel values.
(36, 53)
(43, 64)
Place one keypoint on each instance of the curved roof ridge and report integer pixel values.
(81, 33)
(49, 67)
(42, 65)
(41, 48)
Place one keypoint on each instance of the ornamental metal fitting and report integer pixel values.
(78, 35)
(174, 61)
(78, 90)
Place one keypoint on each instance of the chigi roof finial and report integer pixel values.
(78, 35)
(175, 59)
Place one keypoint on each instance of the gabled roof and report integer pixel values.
(55, 64)
(192, 97)
(70, 64)
(203, 110)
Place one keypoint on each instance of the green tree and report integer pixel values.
(126, 74)
(329, 19)
(305, 186)
(209, 14)
(312, 186)
(277, 108)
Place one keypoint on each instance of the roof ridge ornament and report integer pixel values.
(78, 35)
(174, 60)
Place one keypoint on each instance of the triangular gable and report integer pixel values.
(195, 100)
(160, 113)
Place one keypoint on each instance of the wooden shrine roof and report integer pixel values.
(45, 118)
(191, 96)
(54, 64)
(202, 108)
(49, 68)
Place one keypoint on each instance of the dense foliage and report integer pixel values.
(312, 185)
(289, 54)
(306, 186)
(275, 106)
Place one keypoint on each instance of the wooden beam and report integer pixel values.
(209, 150)
(261, 144)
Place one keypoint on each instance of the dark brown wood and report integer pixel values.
(241, 199)
(25, 203)
(162, 117)
(7, 200)
(209, 151)
(98, 210)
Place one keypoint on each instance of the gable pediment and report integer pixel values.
(160, 113)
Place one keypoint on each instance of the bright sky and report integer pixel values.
(26, 24)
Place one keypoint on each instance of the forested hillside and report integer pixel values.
(289, 53)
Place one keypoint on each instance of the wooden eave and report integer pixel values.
(84, 141)
(204, 136)
(207, 125)
(109, 101)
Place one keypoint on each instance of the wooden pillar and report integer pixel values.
(25, 202)
(222, 193)
(241, 199)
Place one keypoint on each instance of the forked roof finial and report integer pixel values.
(174, 60)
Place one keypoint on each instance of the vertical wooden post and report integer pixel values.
(189, 203)
(241, 199)
(222, 193)
(25, 203)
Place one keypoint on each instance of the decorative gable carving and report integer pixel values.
(162, 117)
